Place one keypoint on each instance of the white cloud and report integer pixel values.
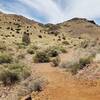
(48, 7)
(17, 9)
(85, 8)
(58, 10)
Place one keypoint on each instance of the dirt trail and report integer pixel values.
(63, 86)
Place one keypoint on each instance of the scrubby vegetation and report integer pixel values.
(55, 61)
(5, 58)
(11, 73)
(54, 51)
(26, 43)
(36, 86)
(41, 57)
(74, 67)
(32, 49)
(2, 46)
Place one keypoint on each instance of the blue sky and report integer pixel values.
(53, 11)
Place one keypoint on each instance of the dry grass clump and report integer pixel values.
(36, 85)
(74, 67)
(55, 61)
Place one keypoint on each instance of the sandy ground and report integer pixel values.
(63, 86)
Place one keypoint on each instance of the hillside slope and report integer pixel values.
(57, 63)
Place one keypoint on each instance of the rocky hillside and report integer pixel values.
(77, 27)
(33, 54)
(14, 25)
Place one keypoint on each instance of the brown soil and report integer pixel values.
(63, 86)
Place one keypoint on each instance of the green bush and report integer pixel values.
(21, 45)
(74, 68)
(5, 58)
(32, 49)
(84, 61)
(8, 77)
(41, 57)
(11, 73)
(62, 49)
(52, 52)
(21, 69)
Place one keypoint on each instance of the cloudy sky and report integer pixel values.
(53, 11)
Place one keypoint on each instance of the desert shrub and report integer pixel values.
(55, 61)
(52, 52)
(32, 49)
(41, 57)
(35, 47)
(84, 44)
(31, 84)
(74, 67)
(26, 38)
(8, 77)
(2, 46)
(21, 56)
(84, 61)
(22, 70)
(67, 64)
(65, 42)
(35, 86)
(11, 73)
(62, 49)
(21, 45)
(5, 58)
